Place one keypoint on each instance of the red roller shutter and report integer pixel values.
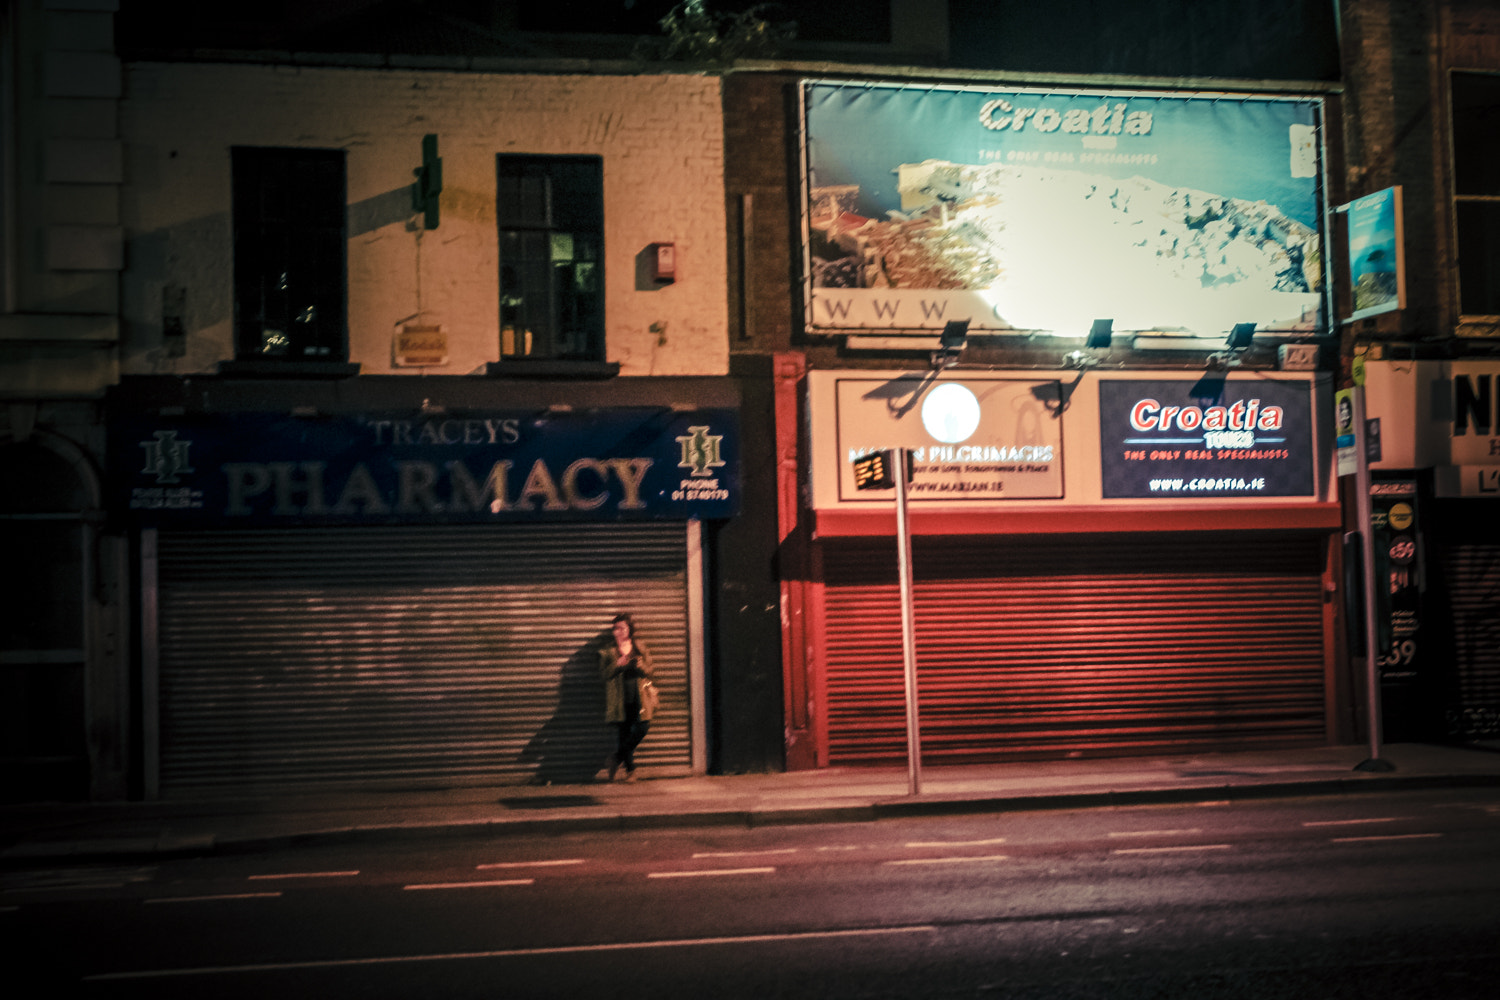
(1065, 645)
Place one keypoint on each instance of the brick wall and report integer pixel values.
(760, 161)
(1397, 59)
(661, 139)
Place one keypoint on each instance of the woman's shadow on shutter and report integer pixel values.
(573, 745)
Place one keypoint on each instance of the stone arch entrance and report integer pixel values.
(48, 513)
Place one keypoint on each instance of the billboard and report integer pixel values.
(1041, 211)
(1174, 439)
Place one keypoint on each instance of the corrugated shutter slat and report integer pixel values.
(1048, 647)
(411, 656)
(1473, 572)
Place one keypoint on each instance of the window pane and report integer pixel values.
(523, 196)
(577, 195)
(1476, 133)
(290, 249)
(1479, 258)
(580, 312)
(551, 218)
(526, 294)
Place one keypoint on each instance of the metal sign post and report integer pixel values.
(908, 630)
(882, 471)
(1367, 544)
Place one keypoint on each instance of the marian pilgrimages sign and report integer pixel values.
(1043, 211)
(264, 469)
(1244, 438)
(969, 438)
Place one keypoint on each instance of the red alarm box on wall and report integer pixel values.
(663, 263)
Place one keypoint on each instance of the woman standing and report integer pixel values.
(625, 665)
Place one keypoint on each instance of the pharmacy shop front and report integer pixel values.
(383, 599)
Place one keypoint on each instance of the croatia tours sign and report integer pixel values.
(1251, 438)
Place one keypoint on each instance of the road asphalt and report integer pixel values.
(36, 833)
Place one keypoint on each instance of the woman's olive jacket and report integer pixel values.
(615, 680)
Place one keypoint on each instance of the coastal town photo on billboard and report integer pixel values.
(1041, 211)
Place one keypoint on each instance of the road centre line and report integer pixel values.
(1154, 833)
(955, 843)
(1171, 850)
(254, 878)
(214, 898)
(744, 854)
(580, 949)
(530, 864)
(712, 871)
(956, 859)
(470, 885)
(1354, 822)
(1391, 836)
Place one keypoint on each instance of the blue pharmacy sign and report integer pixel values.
(272, 469)
(1251, 438)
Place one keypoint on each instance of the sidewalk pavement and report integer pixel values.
(76, 832)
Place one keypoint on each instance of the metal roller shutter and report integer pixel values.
(409, 656)
(1064, 646)
(1473, 576)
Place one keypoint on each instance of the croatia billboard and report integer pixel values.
(1041, 211)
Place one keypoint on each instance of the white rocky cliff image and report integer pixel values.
(1052, 249)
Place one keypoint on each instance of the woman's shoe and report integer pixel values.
(630, 775)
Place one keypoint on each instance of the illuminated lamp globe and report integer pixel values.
(951, 413)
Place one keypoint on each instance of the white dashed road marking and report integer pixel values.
(713, 871)
(470, 885)
(255, 878)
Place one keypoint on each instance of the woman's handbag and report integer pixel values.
(649, 696)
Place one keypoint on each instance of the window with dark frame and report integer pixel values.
(1476, 190)
(290, 254)
(550, 211)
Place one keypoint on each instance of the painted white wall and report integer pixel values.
(660, 137)
(1391, 394)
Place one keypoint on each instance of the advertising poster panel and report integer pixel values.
(1251, 438)
(1343, 430)
(1376, 262)
(1042, 211)
(1398, 607)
